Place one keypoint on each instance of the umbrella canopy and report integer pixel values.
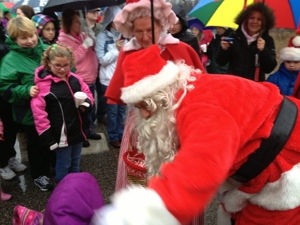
(287, 12)
(61, 5)
(219, 12)
(37, 5)
(6, 6)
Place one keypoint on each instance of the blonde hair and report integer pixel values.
(57, 50)
(20, 26)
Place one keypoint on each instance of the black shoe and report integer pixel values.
(115, 144)
(94, 136)
(85, 144)
(43, 183)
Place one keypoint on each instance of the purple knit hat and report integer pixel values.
(40, 21)
(195, 23)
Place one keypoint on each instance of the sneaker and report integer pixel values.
(43, 183)
(6, 173)
(15, 165)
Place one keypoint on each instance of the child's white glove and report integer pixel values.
(88, 42)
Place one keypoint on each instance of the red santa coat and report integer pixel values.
(220, 123)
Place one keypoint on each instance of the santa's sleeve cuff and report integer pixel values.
(235, 200)
(135, 206)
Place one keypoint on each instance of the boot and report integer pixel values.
(4, 196)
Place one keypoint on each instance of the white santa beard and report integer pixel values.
(157, 139)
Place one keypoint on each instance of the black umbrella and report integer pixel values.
(37, 5)
(61, 5)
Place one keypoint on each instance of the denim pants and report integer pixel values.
(67, 160)
(115, 121)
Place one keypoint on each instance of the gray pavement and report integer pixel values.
(100, 159)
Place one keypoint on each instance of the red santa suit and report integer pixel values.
(220, 123)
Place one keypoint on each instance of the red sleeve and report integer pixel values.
(296, 91)
(113, 91)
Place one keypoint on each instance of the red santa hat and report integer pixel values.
(292, 52)
(123, 19)
(145, 73)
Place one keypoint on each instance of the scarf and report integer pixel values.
(249, 38)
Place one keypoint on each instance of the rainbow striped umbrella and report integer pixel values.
(6, 6)
(219, 12)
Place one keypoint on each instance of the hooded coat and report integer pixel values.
(86, 59)
(184, 35)
(284, 79)
(106, 49)
(74, 200)
(17, 77)
(241, 56)
(56, 117)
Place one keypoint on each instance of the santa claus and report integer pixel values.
(202, 133)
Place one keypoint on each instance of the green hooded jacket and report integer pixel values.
(17, 77)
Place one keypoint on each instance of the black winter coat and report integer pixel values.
(241, 56)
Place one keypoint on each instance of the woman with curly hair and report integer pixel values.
(251, 52)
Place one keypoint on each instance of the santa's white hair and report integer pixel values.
(158, 138)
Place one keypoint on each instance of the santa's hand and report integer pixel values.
(88, 42)
(134, 206)
(107, 215)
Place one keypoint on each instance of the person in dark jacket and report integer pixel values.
(180, 30)
(213, 49)
(58, 118)
(251, 54)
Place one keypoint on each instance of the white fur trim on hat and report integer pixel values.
(150, 84)
(296, 41)
(290, 54)
(121, 20)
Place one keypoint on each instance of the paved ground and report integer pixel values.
(99, 159)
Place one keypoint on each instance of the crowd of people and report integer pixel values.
(163, 85)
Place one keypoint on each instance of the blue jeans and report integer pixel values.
(115, 121)
(67, 160)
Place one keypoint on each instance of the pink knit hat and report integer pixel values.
(123, 22)
(40, 21)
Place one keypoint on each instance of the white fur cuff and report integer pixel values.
(142, 206)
